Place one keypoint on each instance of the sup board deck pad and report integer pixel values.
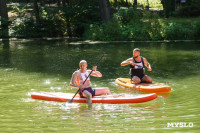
(108, 99)
(145, 87)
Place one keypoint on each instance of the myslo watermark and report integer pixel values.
(180, 124)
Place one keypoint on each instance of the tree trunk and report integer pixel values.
(135, 3)
(105, 10)
(169, 7)
(189, 2)
(147, 4)
(4, 19)
(58, 3)
(64, 3)
(69, 30)
(115, 5)
(37, 13)
(127, 4)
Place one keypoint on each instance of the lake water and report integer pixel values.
(47, 65)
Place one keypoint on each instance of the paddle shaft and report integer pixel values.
(70, 101)
(155, 71)
(159, 73)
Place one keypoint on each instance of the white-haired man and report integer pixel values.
(79, 76)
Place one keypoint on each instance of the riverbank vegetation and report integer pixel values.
(123, 20)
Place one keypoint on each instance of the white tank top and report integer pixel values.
(138, 65)
(84, 76)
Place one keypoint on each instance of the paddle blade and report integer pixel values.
(70, 101)
(65, 104)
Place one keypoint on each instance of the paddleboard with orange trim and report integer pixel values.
(145, 87)
(107, 99)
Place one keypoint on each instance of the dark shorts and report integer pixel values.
(89, 89)
(140, 76)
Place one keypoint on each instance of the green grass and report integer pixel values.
(152, 3)
(143, 3)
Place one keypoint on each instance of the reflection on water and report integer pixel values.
(47, 65)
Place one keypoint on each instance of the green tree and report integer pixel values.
(4, 19)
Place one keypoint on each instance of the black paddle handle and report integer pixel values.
(88, 76)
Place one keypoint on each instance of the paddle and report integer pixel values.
(160, 73)
(70, 101)
(155, 71)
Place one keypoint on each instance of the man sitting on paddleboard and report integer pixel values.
(79, 76)
(137, 64)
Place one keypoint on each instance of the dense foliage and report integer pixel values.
(71, 20)
(82, 19)
(131, 24)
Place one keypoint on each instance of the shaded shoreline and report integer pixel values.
(81, 41)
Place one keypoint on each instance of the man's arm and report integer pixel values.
(73, 80)
(146, 63)
(127, 62)
(95, 73)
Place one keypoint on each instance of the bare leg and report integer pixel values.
(135, 80)
(147, 79)
(88, 96)
(102, 91)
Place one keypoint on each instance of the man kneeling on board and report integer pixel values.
(137, 64)
(78, 78)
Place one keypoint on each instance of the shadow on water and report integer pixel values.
(61, 57)
(5, 54)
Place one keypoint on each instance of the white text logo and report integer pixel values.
(180, 124)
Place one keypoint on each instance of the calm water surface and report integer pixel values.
(47, 65)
